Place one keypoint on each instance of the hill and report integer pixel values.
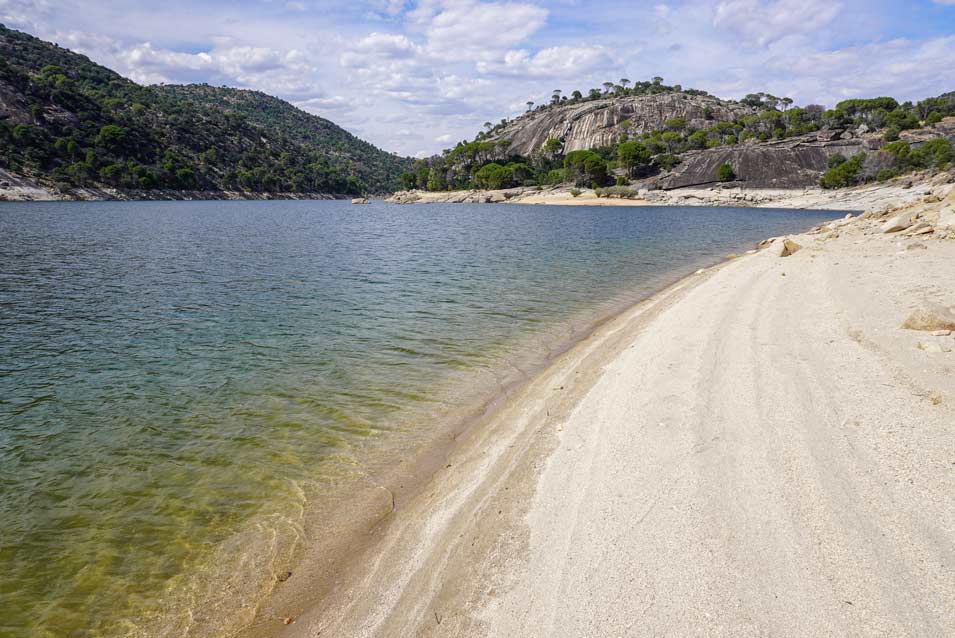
(657, 136)
(68, 122)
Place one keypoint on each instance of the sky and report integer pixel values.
(417, 76)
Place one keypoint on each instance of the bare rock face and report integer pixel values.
(590, 124)
(797, 162)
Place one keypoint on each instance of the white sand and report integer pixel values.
(760, 450)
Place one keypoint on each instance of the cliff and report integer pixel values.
(589, 124)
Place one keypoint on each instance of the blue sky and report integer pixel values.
(415, 76)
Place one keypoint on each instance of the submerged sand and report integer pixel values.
(759, 450)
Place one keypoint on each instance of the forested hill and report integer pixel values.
(69, 122)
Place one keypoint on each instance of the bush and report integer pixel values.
(666, 162)
(622, 181)
(583, 167)
(493, 176)
(725, 173)
(574, 192)
(835, 160)
(845, 174)
(620, 192)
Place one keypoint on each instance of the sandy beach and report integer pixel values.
(761, 449)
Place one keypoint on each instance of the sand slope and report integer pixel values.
(759, 451)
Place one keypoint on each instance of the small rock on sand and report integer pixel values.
(916, 246)
(933, 346)
(941, 333)
(899, 222)
(920, 228)
(931, 317)
(946, 218)
(783, 247)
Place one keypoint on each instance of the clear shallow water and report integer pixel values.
(176, 376)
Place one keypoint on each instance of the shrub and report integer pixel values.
(574, 192)
(666, 162)
(845, 174)
(622, 181)
(584, 167)
(835, 160)
(725, 173)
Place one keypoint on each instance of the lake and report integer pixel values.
(182, 382)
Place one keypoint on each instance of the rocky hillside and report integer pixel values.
(788, 163)
(604, 122)
(67, 123)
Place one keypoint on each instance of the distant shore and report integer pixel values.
(762, 448)
(895, 192)
(19, 189)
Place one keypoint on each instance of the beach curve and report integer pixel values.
(760, 449)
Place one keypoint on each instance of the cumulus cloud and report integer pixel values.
(468, 29)
(552, 62)
(759, 23)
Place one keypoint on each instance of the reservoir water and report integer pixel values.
(181, 382)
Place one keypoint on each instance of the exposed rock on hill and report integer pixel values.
(795, 162)
(602, 122)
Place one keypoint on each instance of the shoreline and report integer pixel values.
(894, 193)
(414, 567)
(374, 502)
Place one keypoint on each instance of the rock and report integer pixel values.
(931, 316)
(930, 346)
(360, 200)
(941, 333)
(946, 218)
(899, 222)
(920, 229)
(783, 247)
(916, 246)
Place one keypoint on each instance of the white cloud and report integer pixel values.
(553, 62)
(467, 29)
(760, 23)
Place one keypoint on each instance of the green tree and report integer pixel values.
(585, 168)
(633, 156)
(725, 173)
(113, 138)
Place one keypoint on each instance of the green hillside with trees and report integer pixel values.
(72, 123)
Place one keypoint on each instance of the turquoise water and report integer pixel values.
(180, 382)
